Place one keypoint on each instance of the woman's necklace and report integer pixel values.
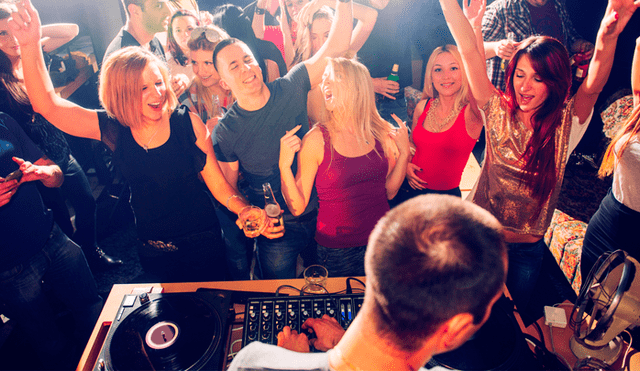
(432, 119)
(146, 146)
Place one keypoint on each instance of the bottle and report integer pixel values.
(271, 206)
(581, 64)
(393, 76)
(511, 37)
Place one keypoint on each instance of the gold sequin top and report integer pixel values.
(498, 188)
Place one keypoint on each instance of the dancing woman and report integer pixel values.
(445, 128)
(530, 130)
(160, 150)
(614, 224)
(356, 161)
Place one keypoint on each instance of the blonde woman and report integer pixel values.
(205, 97)
(315, 23)
(614, 224)
(355, 159)
(160, 150)
(445, 128)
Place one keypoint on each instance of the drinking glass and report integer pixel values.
(253, 219)
(316, 275)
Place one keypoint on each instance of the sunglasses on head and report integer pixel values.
(210, 34)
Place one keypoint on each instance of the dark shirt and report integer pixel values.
(26, 222)
(167, 197)
(124, 39)
(253, 137)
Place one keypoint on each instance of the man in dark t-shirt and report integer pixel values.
(247, 138)
(34, 247)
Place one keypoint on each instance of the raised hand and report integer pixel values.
(401, 136)
(474, 11)
(617, 16)
(25, 24)
(289, 145)
(505, 49)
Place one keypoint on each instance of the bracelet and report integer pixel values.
(344, 1)
(260, 11)
(229, 199)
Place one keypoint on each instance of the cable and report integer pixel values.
(624, 359)
(288, 286)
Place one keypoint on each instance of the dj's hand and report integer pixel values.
(292, 340)
(327, 329)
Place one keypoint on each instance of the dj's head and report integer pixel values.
(435, 266)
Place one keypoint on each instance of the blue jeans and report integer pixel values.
(347, 262)
(278, 257)
(612, 227)
(60, 269)
(525, 262)
(388, 106)
(237, 245)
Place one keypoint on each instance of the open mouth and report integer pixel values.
(249, 80)
(526, 99)
(157, 105)
(447, 85)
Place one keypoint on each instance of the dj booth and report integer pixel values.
(117, 312)
(199, 325)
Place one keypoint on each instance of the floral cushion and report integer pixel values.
(564, 238)
(614, 115)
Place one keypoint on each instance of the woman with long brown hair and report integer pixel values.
(530, 129)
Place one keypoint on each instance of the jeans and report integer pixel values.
(345, 262)
(278, 257)
(612, 227)
(525, 261)
(59, 269)
(388, 106)
(237, 245)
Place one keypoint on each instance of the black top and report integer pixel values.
(167, 197)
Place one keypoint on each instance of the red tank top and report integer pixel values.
(352, 195)
(442, 156)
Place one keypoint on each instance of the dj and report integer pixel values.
(435, 266)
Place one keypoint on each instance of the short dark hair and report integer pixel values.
(126, 3)
(429, 259)
(221, 45)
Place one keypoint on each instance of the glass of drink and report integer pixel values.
(253, 219)
(316, 275)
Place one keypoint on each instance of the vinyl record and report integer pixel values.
(169, 333)
(496, 346)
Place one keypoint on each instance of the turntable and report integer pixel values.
(173, 331)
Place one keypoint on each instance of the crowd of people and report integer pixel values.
(199, 125)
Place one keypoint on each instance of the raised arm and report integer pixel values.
(337, 44)
(64, 115)
(366, 17)
(635, 74)
(258, 18)
(472, 58)
(58, 34)
(615, 19)
(297, 190)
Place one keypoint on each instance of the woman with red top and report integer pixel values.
(356, 160)
(445, 128)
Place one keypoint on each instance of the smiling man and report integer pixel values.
(247, 138)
